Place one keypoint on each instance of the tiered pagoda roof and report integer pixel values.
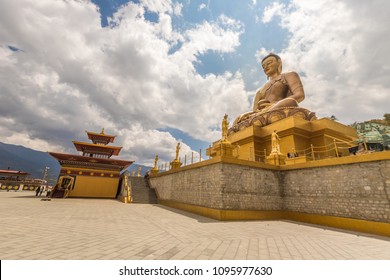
(83, 161)
(100, 138)
(96, 149)
(96, 154)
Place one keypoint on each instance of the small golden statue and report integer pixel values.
(133, 173)
(154, 170)
(176, 162)
(139, 172)
(275, 143)
(177, 151)
(155, 161)
(127, 187)
(225, 127)
(275, 157)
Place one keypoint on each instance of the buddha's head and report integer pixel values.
(272, 65)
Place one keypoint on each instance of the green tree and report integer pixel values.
(387, 119)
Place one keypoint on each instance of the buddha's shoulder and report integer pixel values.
(290, 76)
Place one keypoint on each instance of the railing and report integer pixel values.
(260, 156)
(9, 187)
(25, 181)
(186, 159)
(334, 149)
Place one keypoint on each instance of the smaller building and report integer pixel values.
(93, 173)
(17, 181)
(376, 135)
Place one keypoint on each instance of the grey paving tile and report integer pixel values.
(106, 229)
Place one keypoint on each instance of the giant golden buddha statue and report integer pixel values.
(277, 99)
(276, 109)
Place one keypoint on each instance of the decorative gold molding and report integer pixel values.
(358, 225)
(377, 156)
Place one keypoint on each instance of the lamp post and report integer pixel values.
(45, 174)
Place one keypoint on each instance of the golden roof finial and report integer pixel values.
(102, 131)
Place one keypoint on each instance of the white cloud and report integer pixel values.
(161, 6)
(131, 78)
(177, 9)
(341, 49)
(262, 53)
(157, 143)
(202, 6)
(276, 9)
(230, 22)
(210, 36)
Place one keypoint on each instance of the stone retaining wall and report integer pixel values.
(359, 190)
(222, 186)
(356, 190)
(201, 186)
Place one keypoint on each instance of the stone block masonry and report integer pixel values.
(250, 188)
(201, 186)
(222, 186)
(358, 190)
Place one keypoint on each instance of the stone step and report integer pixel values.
(141, 191)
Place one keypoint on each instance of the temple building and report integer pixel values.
(93, 173)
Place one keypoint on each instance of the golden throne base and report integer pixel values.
(267, 118)
(296, 134)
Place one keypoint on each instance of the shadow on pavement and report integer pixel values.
(199, 218)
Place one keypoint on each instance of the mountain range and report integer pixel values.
(16, 157)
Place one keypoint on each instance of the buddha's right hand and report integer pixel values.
(262, 104)
(241, 117)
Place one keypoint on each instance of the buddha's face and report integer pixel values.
(270, 66)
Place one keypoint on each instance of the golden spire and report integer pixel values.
(102, 131)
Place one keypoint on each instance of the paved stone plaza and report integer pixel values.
(108, 229)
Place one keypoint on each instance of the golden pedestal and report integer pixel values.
(295, 160)
(154, 171)
(175, 164)
(276, 159)
(297, 135)
(223, 148)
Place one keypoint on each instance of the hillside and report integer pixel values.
(16, 157)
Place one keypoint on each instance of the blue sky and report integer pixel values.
(256, 34)
(156, 72)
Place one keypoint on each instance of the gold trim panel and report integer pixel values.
(371, 227)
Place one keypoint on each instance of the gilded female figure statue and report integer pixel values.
(155, 161)
(275, 143)
(177, 151)
(225, 127)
